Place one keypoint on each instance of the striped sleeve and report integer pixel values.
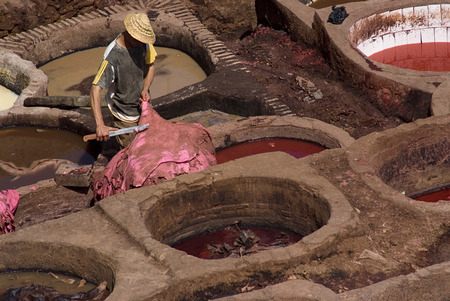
(150, 55)
(100, 72)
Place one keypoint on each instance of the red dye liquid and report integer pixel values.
(295, 148)
(421, 57)
(443, 194)
(198, 245)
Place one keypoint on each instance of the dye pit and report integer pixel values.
(30, 154)
(72, 74)
(422, 57)
(236, 241)
(63, 284)
(296, 148)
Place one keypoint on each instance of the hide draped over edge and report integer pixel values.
(165, 150)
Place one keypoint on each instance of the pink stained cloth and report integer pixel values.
(9, 199)
(165, 150)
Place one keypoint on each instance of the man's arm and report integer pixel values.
(147, 83)
(102, 130)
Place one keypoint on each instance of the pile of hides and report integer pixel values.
(165, 150)
(9, 199)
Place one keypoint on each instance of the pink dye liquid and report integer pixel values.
(420, 57)
(198, 245)
(443, 194)
(295, 148)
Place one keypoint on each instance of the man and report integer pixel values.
(127, 72)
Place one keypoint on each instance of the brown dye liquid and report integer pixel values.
(420, 57)
(26, 154)
(442, 194)
(318, 4)
(174, 70)
(62, 283)
(201, 245)
(7, 98)
(295, 148)
(72, 75)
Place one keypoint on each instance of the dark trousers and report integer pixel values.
(124, 140)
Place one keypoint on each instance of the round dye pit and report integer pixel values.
(296, 148)
(72, 75)
(48, 268)
(47, 285)
(411, 37)
(32, 154)
(220, 213)
(255, 203)
(236, 241)
(296, 136)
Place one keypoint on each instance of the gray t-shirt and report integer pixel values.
(122, 72)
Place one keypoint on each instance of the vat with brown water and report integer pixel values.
(29, 154)
(72, 75)
(296, 148)
(433, 56)
(61, 283)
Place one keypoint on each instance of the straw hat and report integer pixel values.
(138, 26)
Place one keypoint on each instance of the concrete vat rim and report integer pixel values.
(291, 127)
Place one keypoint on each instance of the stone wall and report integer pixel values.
(21, 15)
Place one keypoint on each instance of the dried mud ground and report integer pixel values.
(389, 240)
(276, 62)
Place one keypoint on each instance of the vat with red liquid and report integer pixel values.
(296, 148)
(434, 196)
(434, 56)
(228, 242)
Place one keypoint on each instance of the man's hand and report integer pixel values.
(103, 132)
(144, 96)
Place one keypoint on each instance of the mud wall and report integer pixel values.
(21, 15)
(225, 16)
